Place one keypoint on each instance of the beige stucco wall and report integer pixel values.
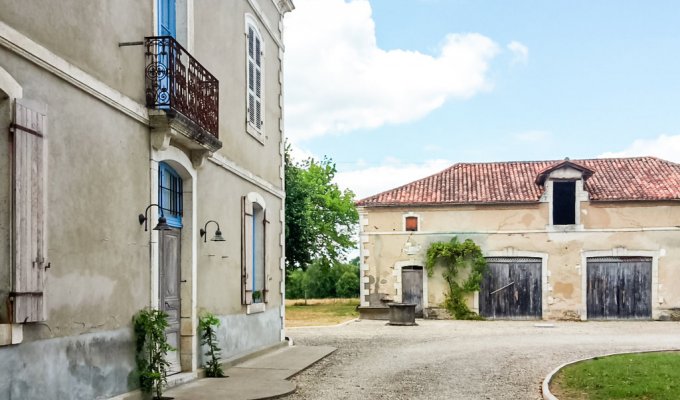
(92, 208)
(615, 228)
(219, 286)
(87, 33)
(224, 55)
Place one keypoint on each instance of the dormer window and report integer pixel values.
(564, 184)
(564, 203)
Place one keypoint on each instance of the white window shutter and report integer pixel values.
(255, 56)
(29, 211)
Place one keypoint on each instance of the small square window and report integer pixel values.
(411, 224)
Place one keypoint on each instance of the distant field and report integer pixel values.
(320, 311)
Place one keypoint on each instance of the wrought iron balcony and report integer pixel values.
(176, 81)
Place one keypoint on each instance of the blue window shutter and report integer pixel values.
(166, 18)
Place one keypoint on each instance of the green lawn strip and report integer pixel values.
(347, 309)
(329, 313)
(643, 376)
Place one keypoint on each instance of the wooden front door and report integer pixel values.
(619, 288)
(169, 291)
(511, 289)
(412, 288)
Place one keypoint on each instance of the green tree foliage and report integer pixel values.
(320, 218)
(455, 257)
(322, 280)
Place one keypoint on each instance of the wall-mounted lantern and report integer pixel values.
(218, 233)
(162, 223)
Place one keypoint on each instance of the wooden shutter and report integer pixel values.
(255, 85)
(265, 269)
(29, 211)
(247, 252)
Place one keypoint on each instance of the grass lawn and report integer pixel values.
(320, 311)
(644, 376)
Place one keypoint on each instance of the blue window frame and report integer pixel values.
(170, 195)
(166, 18)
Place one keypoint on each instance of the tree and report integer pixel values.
(320, 218)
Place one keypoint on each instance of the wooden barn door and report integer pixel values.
(412, 288)
(511, 289)
(619, 288)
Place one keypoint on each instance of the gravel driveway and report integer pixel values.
(460, 359)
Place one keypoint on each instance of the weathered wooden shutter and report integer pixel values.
(29, 211)
(265, 269)
(258, 82)
(247, 252)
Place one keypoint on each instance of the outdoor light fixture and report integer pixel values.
(218, 233)
(162, 223)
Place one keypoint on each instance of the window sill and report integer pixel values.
(564, 228)
(256, 134)
(255, 308)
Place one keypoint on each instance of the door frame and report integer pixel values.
(181, 163)
(620, 252)
(511, 252)
(398, 283)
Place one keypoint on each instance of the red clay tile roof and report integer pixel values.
(613, 179)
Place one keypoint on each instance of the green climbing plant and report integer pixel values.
(151, 349)
(207, 324)
(455, 256)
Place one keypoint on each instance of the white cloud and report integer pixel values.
(338, 79)
(520, 53)
(533, 136)
(393, 173)
(664, 146)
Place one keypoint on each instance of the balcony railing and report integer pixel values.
(176, 81)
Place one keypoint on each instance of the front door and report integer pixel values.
(412, 288)
(511, 289)
(169, 272)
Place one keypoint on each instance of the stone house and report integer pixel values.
(572, 239)
(143, 168)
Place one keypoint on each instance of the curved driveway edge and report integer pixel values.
(547, 394)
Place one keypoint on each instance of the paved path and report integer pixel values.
(460, 359)
(261, 377)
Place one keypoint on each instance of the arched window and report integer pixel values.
(170, 194)
(255, 78)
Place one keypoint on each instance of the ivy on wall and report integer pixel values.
(454, 257)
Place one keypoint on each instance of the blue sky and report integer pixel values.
(394, 90)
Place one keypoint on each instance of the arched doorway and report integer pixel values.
(170, 199)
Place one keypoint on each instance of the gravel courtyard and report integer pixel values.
(460, 359)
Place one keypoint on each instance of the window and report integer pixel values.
(564, 202)
(411, 224)
(254, 237)
(255, 84)
(170, 195)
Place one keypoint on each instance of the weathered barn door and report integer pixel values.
(170, 291)
(511, 289)
(619, 288)
(412, 287)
